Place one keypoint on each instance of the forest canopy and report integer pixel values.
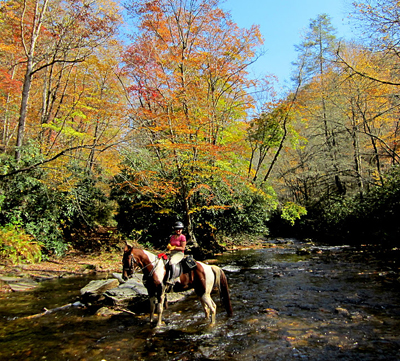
(131, 132)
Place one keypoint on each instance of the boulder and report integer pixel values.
(131, 294)
(135, 285)
(95, 289)
(128, 293)
(118, 276)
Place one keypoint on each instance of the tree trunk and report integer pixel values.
(191, 236)
(30, 53)
(23, 110)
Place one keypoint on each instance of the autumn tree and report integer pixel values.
(187, 68)
(347, 118)
(316, 55)
(63, 115)
(378, 21)
(49, 38)
(267, 135)
(371, 110)
(316, 168)
(66, 62)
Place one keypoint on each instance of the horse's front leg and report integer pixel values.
(160, 309)
(153, 300)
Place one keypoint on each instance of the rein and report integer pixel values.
(133, 260)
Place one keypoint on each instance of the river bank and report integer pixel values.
(76, 263)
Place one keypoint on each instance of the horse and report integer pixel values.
(203, 279)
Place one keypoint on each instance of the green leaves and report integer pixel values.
(368, 219)
(50, 209)
(292, 211)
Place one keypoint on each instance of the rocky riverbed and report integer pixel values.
(291, 301)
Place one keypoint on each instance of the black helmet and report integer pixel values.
(178, 225)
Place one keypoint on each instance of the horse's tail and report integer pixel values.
(222, 283)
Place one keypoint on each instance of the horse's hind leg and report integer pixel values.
(205, 308)
(209, 306)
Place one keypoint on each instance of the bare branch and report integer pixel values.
(58, 155)
(364, 75)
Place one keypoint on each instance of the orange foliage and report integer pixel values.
(187, 70)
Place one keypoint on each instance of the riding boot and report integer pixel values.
(171, 279)
(169, 275)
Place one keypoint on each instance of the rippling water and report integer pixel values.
(322, 306)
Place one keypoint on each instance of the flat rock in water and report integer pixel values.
(178, 296)
(135, 285)
(132, 291)
(105, 312)
(129, 293)
(123, 297)
(11, 279)
(118, 276)
(97, 287)
(24, 285)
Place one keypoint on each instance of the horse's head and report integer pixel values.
(128, 262)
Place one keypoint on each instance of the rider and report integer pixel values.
(176, 245)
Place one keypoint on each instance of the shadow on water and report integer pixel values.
(325, 306)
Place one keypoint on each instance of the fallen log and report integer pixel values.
(125, 310)
(52, 310)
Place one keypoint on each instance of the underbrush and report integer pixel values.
(16, 246)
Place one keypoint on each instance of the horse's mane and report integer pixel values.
(151, 256)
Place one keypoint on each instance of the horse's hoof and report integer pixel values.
(160, 324)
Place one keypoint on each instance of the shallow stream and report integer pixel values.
(332, 304)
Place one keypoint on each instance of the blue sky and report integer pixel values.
(282, 22)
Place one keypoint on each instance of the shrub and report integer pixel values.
(17, 246)
(224, 207)
(369, 218)
(50, 206)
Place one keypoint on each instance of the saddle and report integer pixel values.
(187, 264)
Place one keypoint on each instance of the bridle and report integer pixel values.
(132, 263)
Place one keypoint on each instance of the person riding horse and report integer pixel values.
(176, 245)
(203, 278)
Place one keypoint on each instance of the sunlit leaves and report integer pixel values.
(189, 85)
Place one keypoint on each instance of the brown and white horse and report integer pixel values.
(204, 278)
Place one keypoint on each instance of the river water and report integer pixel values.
(331, 304)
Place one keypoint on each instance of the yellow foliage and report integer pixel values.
(17, 246)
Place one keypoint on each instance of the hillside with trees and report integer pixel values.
(129, 133)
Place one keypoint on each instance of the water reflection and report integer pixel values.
(286, 307)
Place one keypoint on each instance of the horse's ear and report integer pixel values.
(128, 247)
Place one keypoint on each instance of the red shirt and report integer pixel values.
(176, 240)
